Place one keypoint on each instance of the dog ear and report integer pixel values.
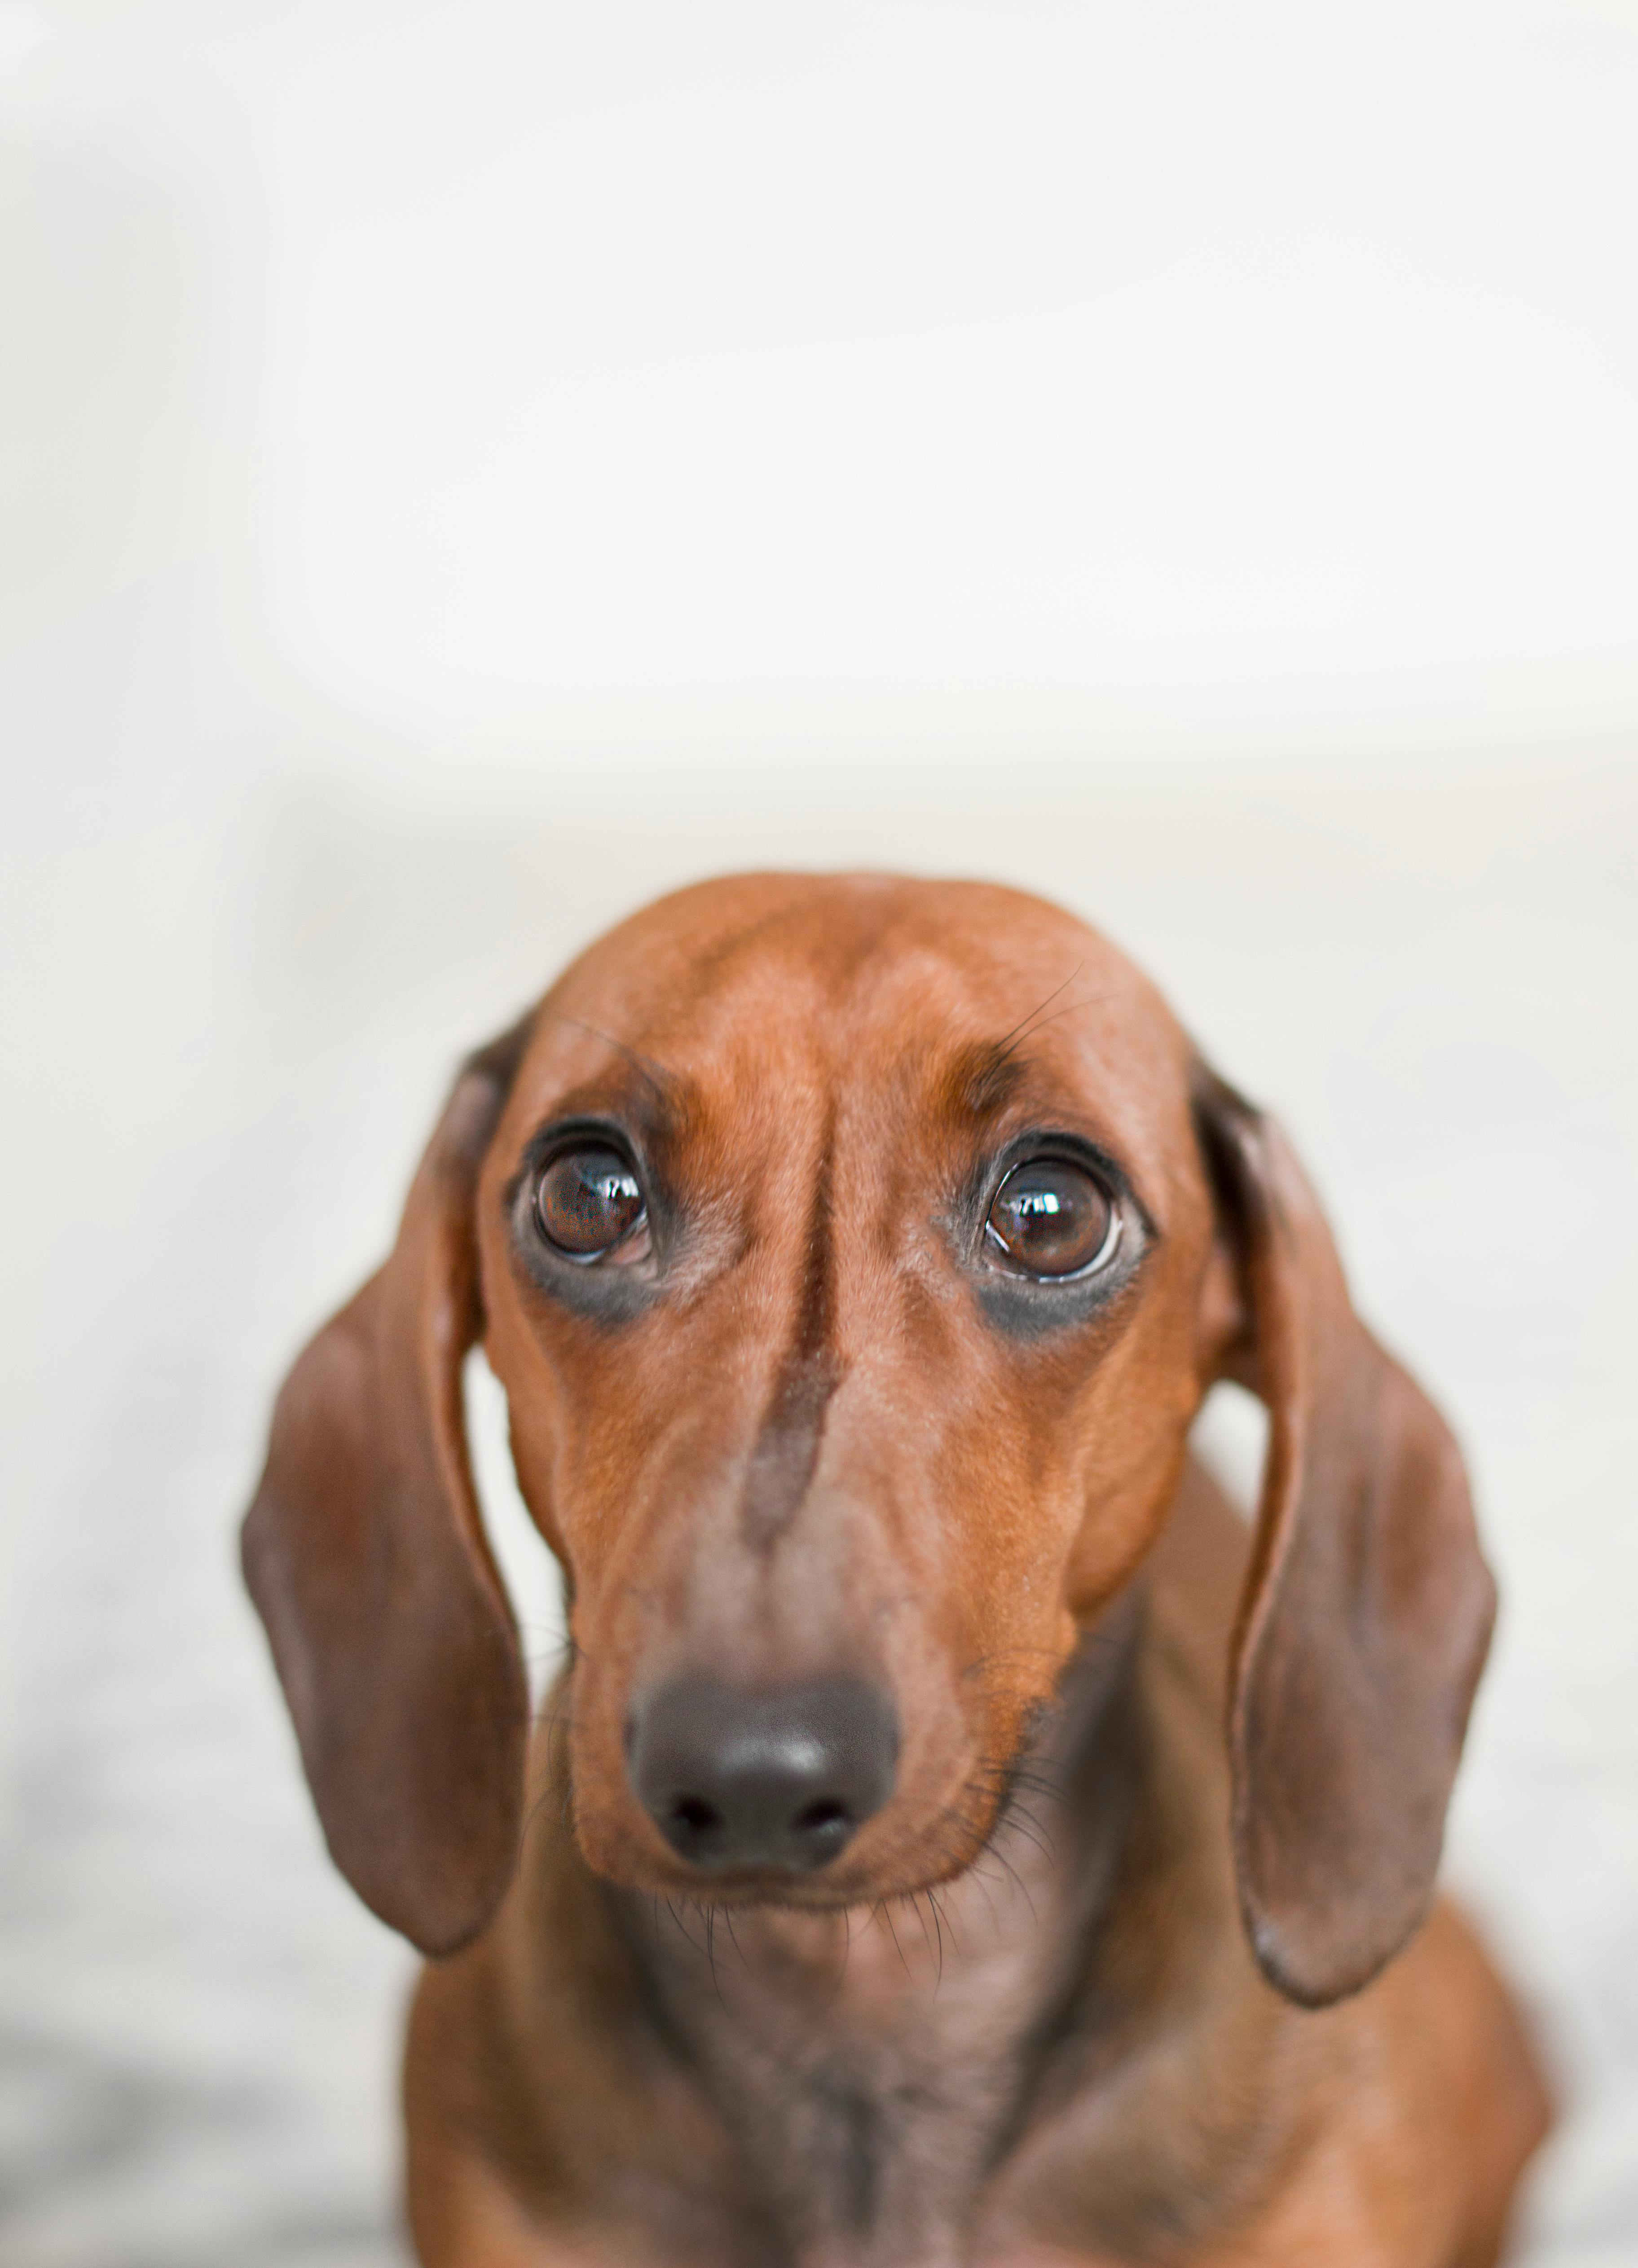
(1366, 1612)
(365, 1556)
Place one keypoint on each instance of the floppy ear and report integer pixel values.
(363, 1551)
(1368, 1609)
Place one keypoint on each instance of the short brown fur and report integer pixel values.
(1140, 1962)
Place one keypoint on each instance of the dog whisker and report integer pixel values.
(1005, 1045)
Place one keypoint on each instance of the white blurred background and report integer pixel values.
(463, 469)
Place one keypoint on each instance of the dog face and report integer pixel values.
(854, 1255)
(878, 1368)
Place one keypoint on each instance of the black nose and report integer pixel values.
(777, 1778)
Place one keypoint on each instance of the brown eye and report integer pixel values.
(1052, 1219)
(589, 1200)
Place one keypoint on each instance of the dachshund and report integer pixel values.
(957, 1838)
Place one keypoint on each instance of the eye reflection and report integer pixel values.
(1050, 1218)
(588, 1200)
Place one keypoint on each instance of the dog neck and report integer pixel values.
(877, 2065)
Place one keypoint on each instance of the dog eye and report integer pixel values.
(588, 1200)
(1050, 1218)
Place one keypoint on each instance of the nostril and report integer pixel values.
(826, 1813)
(698, 1817)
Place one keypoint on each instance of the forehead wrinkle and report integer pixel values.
(806, 1000)
(812, 965)
(827, 970)
(811, 936)
(787, 1450)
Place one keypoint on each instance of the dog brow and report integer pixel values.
(666, 1084)
(985, 1078)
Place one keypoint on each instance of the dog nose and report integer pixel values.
(781, 1777)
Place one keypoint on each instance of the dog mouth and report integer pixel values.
(892, 1866)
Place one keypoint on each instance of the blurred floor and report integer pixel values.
(1428, 973)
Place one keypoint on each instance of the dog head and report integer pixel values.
(855, 1254)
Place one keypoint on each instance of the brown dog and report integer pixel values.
(956, 1838)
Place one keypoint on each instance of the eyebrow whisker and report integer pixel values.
(1088, 1000)
(1010, 1039)
(665, 1083)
